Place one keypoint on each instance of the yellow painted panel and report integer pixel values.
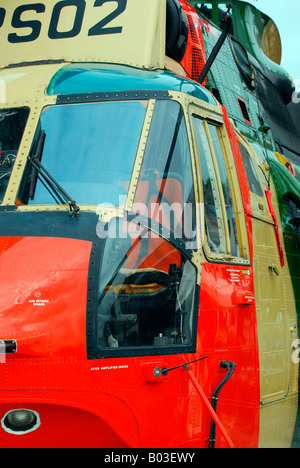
(119, 31)
(25, 85)
(277, 424)
(277, 329)
(271, 313)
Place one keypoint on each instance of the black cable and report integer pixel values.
(216, 50)
(230, 367)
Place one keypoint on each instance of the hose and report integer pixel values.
(230, 368)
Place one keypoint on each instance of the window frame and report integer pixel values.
(244, 110)
(195, 111)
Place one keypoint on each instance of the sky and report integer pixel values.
(286, 15)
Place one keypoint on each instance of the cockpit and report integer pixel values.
(132, 156)
(148, 163)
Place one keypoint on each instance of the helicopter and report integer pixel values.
(149, 226)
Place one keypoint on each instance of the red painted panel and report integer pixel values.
(195, 55)
(45, 285)
(62, 427)
(114, 401)
(227, 331)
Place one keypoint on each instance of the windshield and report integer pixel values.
(12, 125)
(90, 150)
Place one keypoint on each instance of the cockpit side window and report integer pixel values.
(226, 190)
(12, 126)
(214, 222)
(165, 190)
(220, 212)
(146, 298)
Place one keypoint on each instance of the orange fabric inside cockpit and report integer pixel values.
(165, 198)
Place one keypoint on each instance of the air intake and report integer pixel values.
(20, 421)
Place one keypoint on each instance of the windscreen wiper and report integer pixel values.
(46, 177)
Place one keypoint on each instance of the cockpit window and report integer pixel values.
(165, 190)
(146, 295)
(12, 126)
(221, 218)
(90, 150)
